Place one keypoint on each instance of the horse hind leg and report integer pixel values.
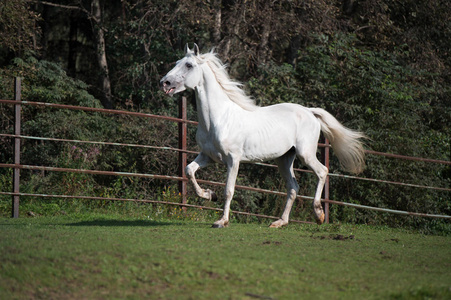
(201, 161)
(285, 164)
(321, 172)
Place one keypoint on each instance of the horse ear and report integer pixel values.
(196, 49)
(187, 49)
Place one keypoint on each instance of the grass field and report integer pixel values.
(99, 256)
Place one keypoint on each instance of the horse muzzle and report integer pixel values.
(167, 86)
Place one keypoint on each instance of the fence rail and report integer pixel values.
(182, 153)
(262, 164)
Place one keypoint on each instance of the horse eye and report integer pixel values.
(189, 66)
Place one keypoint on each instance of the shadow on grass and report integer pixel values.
(123, 223)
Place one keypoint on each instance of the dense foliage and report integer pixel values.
(382, 67)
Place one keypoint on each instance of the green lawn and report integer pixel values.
(111, 257)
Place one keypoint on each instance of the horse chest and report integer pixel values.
(217, 144)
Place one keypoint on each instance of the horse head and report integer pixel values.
(185, 75)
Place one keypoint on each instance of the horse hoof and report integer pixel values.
(213, 196)
(320, 220)
(278, 224)
(220, 224)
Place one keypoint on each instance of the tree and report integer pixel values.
(96, 19)
(18, 29)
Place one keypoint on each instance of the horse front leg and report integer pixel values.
(232, 172)
(200, 161)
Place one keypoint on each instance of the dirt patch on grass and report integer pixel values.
(272, 242)
(336, 237)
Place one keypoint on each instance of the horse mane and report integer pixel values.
(233, 89)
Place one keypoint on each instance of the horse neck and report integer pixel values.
(212, 101)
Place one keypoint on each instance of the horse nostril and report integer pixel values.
(167, 83)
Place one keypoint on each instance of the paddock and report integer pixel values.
(98, 256)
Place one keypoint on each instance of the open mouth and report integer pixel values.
(170, 91)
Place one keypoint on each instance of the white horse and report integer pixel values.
(233, 129)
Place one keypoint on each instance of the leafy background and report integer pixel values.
(382, 67)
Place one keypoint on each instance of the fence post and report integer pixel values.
(325, 157)
(16, 171)
(182, 146)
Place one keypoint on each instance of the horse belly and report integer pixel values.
(268, 143)
(274, 130)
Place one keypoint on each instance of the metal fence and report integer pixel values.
(182, 151)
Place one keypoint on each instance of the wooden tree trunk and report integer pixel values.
(217, 22)
(101, 53)
(73, 43)
(235, 22)
(263, 47)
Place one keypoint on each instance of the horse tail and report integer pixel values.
(346, 143)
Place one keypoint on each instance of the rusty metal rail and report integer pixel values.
(175, 178)
(141, 175)
(391, 155)
(196, 152)
(391, 182)
(393, 211)
(96, 143)
(102, 110)
(147, 201)
(182, 121)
